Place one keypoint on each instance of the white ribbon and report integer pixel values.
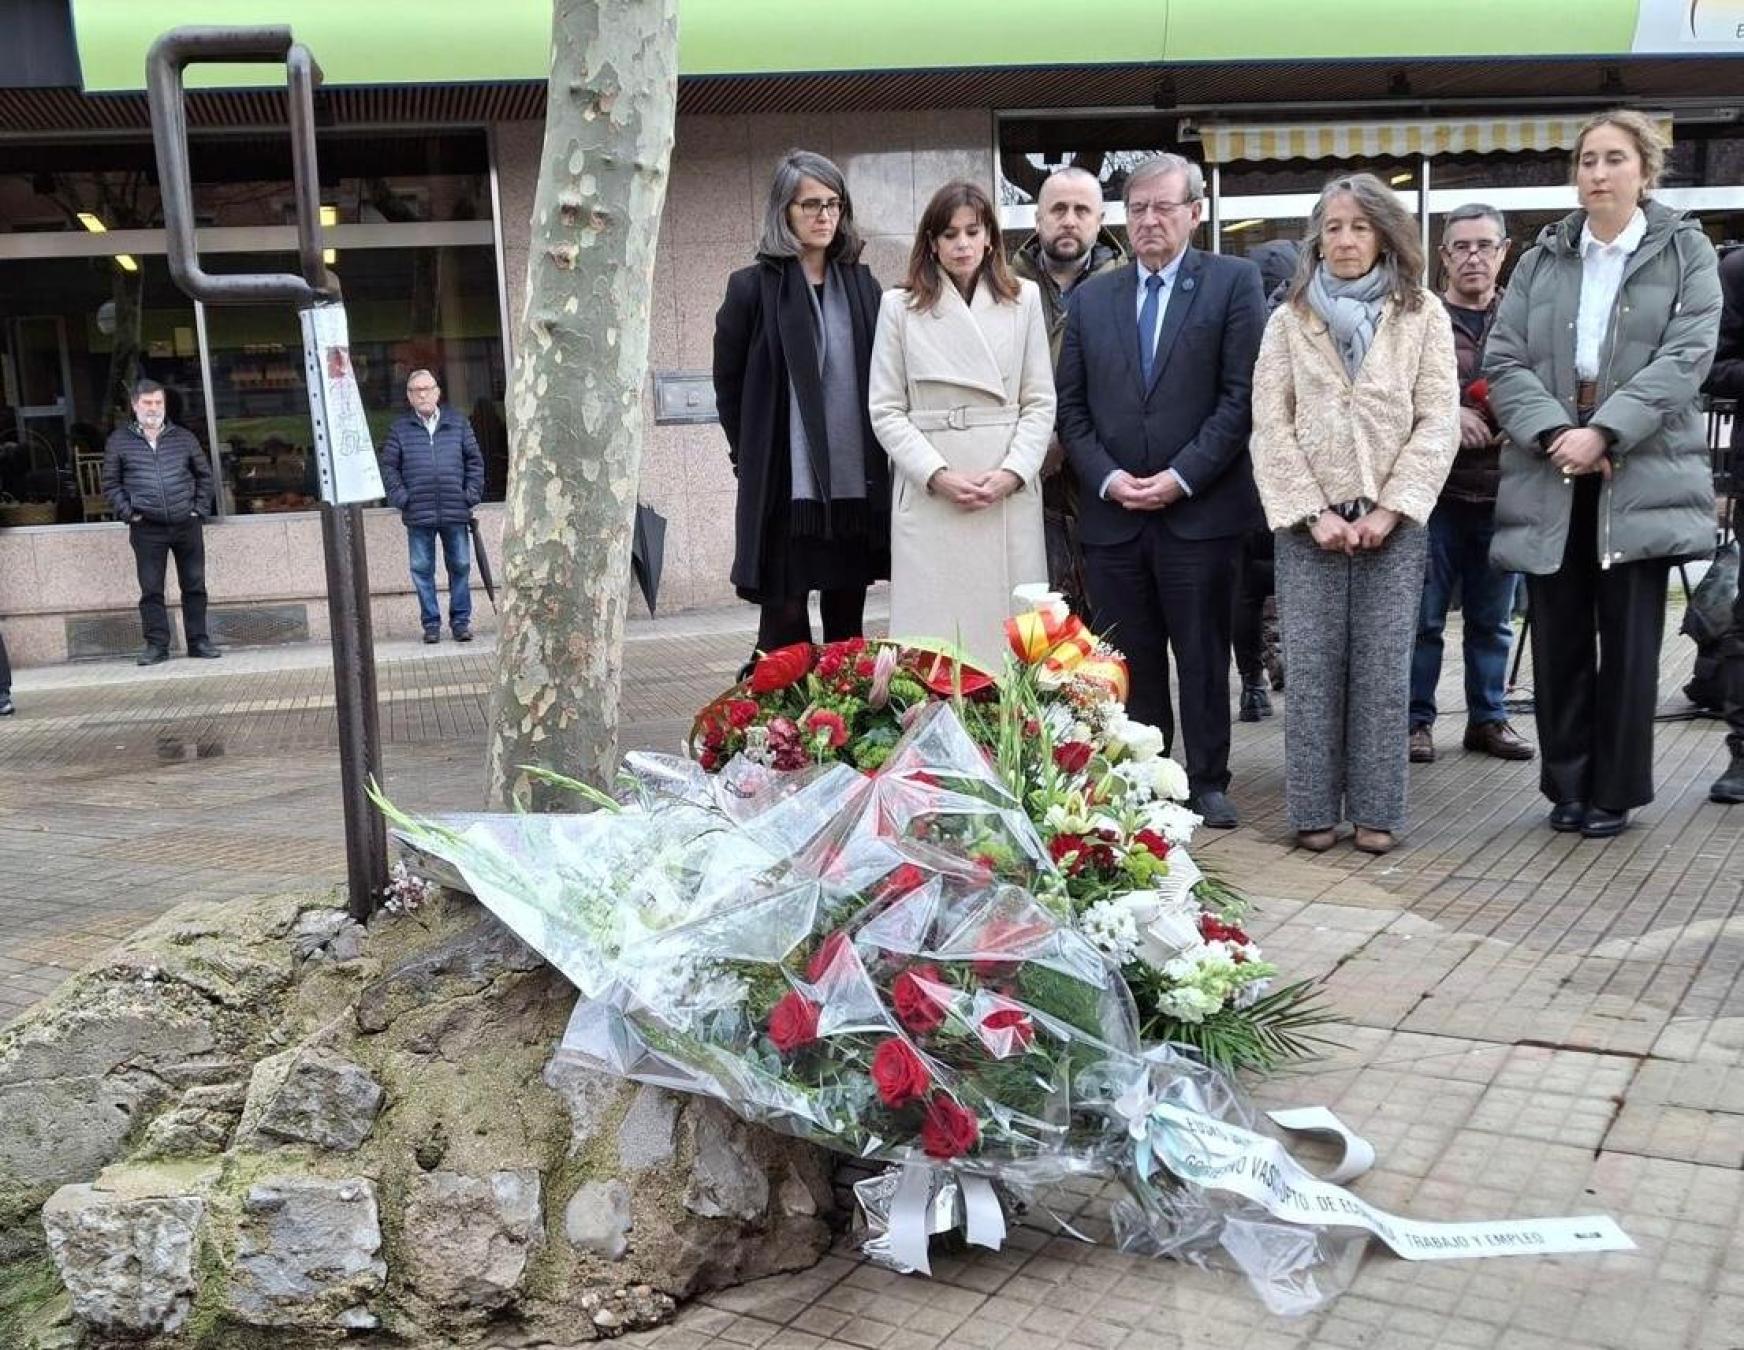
(1356, 1154)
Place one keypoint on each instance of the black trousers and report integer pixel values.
(1732, 649)
(1159, 592)
(1253, 584)
(153, 545)
(5, 669)
(1596, 636)
(781, 623)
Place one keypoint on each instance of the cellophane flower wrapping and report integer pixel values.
(882, 964)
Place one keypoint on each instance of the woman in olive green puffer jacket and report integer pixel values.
(1595, 365)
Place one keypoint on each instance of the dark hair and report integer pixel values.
(142, 387)
(925, 277)
(776, 240)
(1401, 245)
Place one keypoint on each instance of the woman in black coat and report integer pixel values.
(793, 341)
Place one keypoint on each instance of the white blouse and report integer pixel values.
(1602, 268)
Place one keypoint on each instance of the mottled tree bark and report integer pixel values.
(576, 396)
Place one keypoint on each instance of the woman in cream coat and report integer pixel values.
(962, 399)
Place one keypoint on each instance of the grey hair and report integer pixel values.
(421, 371)
(777, 240)
(1162, 165)
(1401, 245)
(1474, 211)
(142, 387)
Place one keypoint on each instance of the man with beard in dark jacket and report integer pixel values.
(1069, 245)
(158, 479)
(1474, 245)
(434, 474)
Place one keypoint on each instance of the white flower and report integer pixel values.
(1169, 779)
(1138, 740)
(1173, 821)
(1167, 927)
(1036, 595)
(1070, 815)
(1110, 927)
(1188, 1004)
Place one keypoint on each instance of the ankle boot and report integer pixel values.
(1729, 786)
(1255, 702)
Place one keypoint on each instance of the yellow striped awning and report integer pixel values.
(1228, 142)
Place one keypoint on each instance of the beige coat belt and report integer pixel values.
(962, 418)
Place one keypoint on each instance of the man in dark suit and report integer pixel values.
(1154, 381)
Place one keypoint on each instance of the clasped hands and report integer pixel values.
(1366, 533)
(1145, 494)
(974, 491)
(1580, 450)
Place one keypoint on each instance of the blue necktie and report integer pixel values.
(1147, 325)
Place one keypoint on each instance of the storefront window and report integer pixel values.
(74, 335)
(407, 308)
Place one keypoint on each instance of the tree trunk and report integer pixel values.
(576, 397)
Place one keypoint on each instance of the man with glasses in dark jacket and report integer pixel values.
(434, 473)
(159, 480)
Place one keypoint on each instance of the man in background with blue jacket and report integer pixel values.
(434, 474)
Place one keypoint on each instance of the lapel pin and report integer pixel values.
(1187, 285)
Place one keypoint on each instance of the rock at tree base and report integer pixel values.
(411, 1158)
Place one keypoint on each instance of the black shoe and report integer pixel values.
(204, 650)
(6, 708)
(1603, 824)
(1729, 786)
(1255, 702)
(152, 656)
(463, 635)
(1568, 817)
(1216, 810)
(432, 636)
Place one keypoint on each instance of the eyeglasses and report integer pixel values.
(1139, 210)
(817, 206)
(1464, 248)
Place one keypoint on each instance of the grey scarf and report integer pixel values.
(841, 387)
(1351, 309)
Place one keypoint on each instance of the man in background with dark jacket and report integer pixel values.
(159, 480)
(1726, 380)
(1474, 245)
(1069, 245)
(434, 473)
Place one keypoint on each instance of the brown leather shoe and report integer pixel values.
(1374, 841)
(1316, 841)
(1422, 745)
(1499, 741)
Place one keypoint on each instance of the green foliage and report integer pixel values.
(1063, 997)
(1279, 1027)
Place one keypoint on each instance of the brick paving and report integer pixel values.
(1537, 1023)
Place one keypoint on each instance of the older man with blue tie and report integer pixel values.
(1154, 381)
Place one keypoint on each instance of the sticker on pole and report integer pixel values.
(344, 449)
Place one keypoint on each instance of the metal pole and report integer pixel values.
(342, 540)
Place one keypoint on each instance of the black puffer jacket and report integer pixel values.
(164, 485)
(433, 480)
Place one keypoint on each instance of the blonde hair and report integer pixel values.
(1650, 143)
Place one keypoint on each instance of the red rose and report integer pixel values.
(826, 726)
(709, 760)
(948, 1130)
(904, 879)
(918, 996)
(1477, 393)
(1008, 1030)
(793, 1023)
(865, 666)
(1073, 756)
(741, 712)
(833, 949)
(1152, 842)
(1214, 929)
(1063, 846)
(899, 1074)
(830, 663)
(780, 668)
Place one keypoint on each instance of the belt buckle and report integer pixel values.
(957, 419)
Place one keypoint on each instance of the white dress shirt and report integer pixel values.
(1602, 267)
(431, 422)
(1168, 274)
